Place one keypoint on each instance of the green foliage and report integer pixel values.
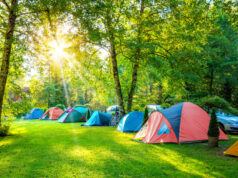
(146, 117)
(5, 126)
(61, 106)
(165, 105)
(218, 103)
(4, 129)
(83, 105)
(44, 109)
(213, 130)
(88, 114)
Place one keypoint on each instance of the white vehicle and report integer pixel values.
(227, 122)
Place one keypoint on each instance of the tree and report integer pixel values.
(12, 10)
(137, 55)
(213, 130)
(101, 22)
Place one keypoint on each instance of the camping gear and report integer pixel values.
(76, 114)
(131, 122)
(183, 122)
(99, 119)
(52, 114)
(36, 113)
(115, 120)
(233, 150)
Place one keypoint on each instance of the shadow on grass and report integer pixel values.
(58, 150)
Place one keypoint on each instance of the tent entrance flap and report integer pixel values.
(163, 129)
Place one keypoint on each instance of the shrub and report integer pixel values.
(217, 102)
(145, 115)
(213, 130)
(4, 130)
(82, 105)
(61, 106)
(44, 109)
(165, 105)
(87, 106)
(88, 114)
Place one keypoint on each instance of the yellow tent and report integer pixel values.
(233, 150)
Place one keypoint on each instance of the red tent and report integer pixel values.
(52, 114)
(183, 122)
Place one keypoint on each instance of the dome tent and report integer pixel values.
(183, 122)
(99, 119)
(36, 113)
(76, 114)
(131, 122)
(52, 114)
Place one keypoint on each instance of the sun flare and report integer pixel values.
(57, 49)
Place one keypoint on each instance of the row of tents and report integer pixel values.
(76, 114)
(183, 122)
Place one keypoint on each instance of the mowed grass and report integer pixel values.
(50, 149)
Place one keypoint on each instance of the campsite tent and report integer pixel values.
(52, 114)
(99, 119)
(35, 114)
(131, 122)
(233, 150)
(76, 114)
(183, 122)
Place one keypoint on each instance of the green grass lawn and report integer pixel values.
(51, 149)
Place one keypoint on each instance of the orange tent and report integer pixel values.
(52, 114)
(233, 150)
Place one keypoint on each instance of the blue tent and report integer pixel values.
(131, 122)
(35, 114)
(99, 119)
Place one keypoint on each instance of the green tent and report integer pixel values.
(76, 114)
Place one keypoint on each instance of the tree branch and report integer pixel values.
(5, 3)
(26, 13)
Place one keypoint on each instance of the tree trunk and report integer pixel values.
(136, 64)
(133, 85)
(114, 65)
(86, 96)
(7, 50)
(227, 91)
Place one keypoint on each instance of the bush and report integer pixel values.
(88, 114)
(44, 109)
(87, 106)
(83, 105)
(4, 130)
(165, 105)
(213, 130)
(61, 106)
(146, 117)
(216, 102)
